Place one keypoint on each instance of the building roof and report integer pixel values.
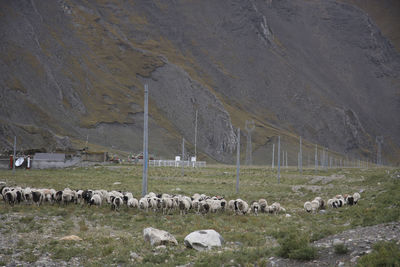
(49, 156)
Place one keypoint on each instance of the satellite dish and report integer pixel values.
(19, 162)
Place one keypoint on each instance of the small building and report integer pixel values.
(56, 157)
(95, 156)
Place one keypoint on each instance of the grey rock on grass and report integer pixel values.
(203, 240)
(158, 237)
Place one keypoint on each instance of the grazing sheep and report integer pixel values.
(48, 195)
(263, 204)
(116, 203)
(133, 203)
(67, 196)
(276, 208)
(167, 204)
(143, 204)
(95, 200)
(87, 196)
(196, 205)
(127, 196)
(27, 193)
(308, 206)
(231, 205)
(215, 205)
(10, 197)
(349, 200)
(223, 204)
(184, 205)
(314, 205)
(37, 197)
(241, 206)
(153, 203)
(196, 196)
(79, 197)
(58, 196)
(332, 203)
(204, 207)
(321, 202)
(356, 197)
(255, 207)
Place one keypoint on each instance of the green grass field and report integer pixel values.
(110, 237)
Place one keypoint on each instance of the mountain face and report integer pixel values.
(72, 70)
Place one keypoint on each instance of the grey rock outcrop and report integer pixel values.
(158, 237)
(203, 240)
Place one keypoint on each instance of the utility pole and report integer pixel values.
(279, 159)
(273, 155)
(301, 158)
(195, 137)
(145, 140)
(237, 161)
(15, 152)
(286, 160)
(183, 156)
(316, 157)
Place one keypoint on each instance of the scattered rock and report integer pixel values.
(134, 255)
(203, 240)
(322, 211)
(186, 265)
(337, 242)
(71, 238)
(161, 247)
(116, 183)
(354, 260)
(288, 215)
(340, 264)
(158, 237)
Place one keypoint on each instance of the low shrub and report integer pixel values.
(296, 246)
(384, 254)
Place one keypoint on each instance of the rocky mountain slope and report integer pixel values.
(75, 69)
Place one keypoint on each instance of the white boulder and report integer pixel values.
(203, 240)
(158, 237)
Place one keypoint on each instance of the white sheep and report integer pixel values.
(167, 204)
(315, 205)
(196, 205)
(255, 207)
(27, 192)
(144, 204)
(276, 208)
(133, 203)
(308, 206)
(241, 206)
(332, 203)
(321, 202)
(263, 204)
(184, 205)
(356, 197)
(95, 200)
(231, 205)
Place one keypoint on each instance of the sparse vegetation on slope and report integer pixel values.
(32, 233)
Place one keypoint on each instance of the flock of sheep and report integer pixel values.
(164, 203)
(338, 201)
